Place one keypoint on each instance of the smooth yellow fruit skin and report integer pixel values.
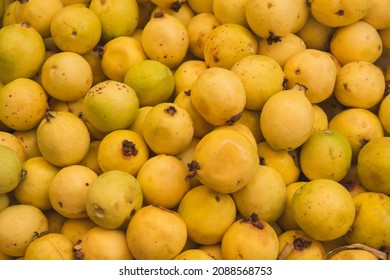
(10, 140)
(11, 169)
(265, 194)
(75, 229)
(207, 214)
(20, 43)
(21, 223)
(112, 199)
(371, 225)
(287, 119)
(100, 243)
(384, 114)
(29, 142)
(193, 254)
(327, 154)
(117, 17)
(156, 233)
(227, 160)
(373, 165)
(163, 180)
(62, 138)
(323, 209)
(354, 254)
(34, 188)
(244, 240)
(186, 73)
(52, 246)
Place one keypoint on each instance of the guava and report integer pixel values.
(75, 229)
(11, 169)
(194, 254)
(51, 246)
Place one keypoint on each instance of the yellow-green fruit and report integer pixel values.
(22, 222)
(359, 126)
(11, 169)
(163, 180)
(152, 81)
(230, 11)
(296, 245)
(156, 233)
(62, 138)
(377, 15)
(5, 201)
(8, 16)
(93, 57)
(282, 161)
(327, 154)
(119, 54)
(227, 43)
(323, 209)
(287, 119)
(91, 158)
(261, 76)
(198, 29)
(138, 124)
(179, 9)
(281, 50)
(201, 6)
(165, 39)
(10, 140)
(112, 199)
(224, 160)
(265, 195)
(28, 138)
(371, 224)
(359, 84)
(315, 34)
(23, 104)
(250, 239)
(207, 214)
(373, 166)
(34, 188)
(353, 254)
(122, 150)
(66, 76)
(76, 28)
(186, 73)
(304, 66)
(38, 14)
(117, 17)
(75, 229)
(336, 13)
(68, 190)
(320, 118)
(100, 243)
(384, 113)
(168, 128)
(194, 254)
(51, 246)
(264, 17)
(201, 126)
(356, 41)
(110, 105)
(218, 95)
(20, 43)
(286, 220)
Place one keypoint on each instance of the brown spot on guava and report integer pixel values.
(159, 14)
(234, 118)
(176, 6)
(340, 12)
(171, 110)
(301, 244)
(273, 38)
(129, 148)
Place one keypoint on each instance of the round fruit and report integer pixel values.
(156, 233)
(11, 141)
(218, 95)
(265, 195)
(51, 246)
(75, 229)
(250, 239)
(224, 160)
(11, 169)
(163, 180)
(287, 119)
(112, 199)
(66, 76)
(19, 43)
(186, 73)
(62, 138)
(373, 166)
(193, 254)
(75, 28)
(327, 154)
(23, 104)
(323, 209)
(227, 43)
(207, 214)
(152, 81)
(110, 105)
(168, 128)
(20, 223)
(371, 226)
(124, 150)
